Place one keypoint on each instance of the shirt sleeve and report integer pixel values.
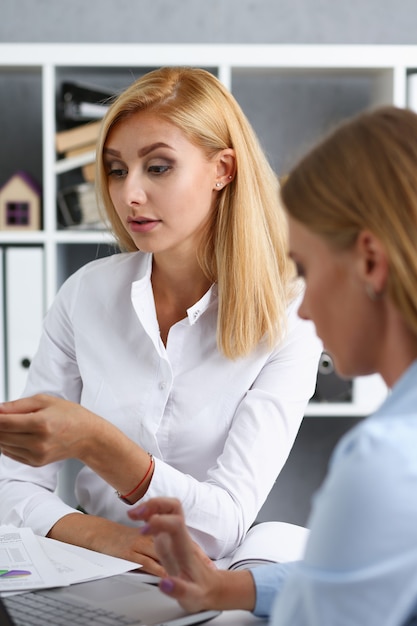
(360, 563)
(269, 580)
(28, 494)
(220, 509)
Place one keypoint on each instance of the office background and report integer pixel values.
(209, 21)
(229, 21)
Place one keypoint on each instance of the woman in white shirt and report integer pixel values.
(179, 366)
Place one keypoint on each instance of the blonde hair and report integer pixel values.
(244, 247)
(364, 176)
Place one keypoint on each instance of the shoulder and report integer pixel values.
(114, 269)
(101, 282)
(380, 440)
(134, 262)
(379, 451)
(367, 505)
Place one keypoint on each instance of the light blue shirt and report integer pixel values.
(360, 565)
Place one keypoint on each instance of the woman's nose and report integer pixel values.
(135, 193)
(302, 310)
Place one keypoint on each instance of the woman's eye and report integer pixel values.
(116, 172)
(158, 169)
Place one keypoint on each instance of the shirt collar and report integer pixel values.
(195, 311)
(403, 396)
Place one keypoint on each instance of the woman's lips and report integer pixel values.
(142, 225)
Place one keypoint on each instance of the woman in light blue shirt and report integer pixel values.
(352, 207)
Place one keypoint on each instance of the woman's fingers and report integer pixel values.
(160, 506)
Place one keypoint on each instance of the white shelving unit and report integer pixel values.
(278, 86)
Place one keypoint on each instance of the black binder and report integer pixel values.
(79, 102)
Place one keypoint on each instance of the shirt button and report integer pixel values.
(196, 314)
(162, 385)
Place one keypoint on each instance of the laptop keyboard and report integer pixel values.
(36, 609)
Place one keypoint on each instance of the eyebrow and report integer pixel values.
(147, 149)
(143, 151)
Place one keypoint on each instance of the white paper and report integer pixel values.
(24, 564)
(80, 564)
(268, 542)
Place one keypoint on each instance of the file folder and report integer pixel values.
(80, 102)
(2, 333)
(24, 308)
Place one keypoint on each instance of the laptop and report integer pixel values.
(115, 601)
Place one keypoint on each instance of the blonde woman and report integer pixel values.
(352, 205)
(178, 367)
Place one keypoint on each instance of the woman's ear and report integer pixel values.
(373, 261)
(226, 166)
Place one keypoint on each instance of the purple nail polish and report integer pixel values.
(144, 529)
(166, 585)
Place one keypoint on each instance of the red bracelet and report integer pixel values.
(125, 498)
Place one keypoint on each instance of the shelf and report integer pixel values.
(66, 165)
(291, 94)
(29, 237)
(255, 55)
(368, 394)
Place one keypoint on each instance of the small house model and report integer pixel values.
(20, 203)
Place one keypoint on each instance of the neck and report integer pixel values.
(399, 351)
(176, 287)
(180, 283)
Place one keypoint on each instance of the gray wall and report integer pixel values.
(209, 21)
(225, 21)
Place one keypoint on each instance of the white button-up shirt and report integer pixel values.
(220, 430)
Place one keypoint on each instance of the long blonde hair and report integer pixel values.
(244, 247)
(364, 176)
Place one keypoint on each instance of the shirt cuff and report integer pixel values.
(269, 580)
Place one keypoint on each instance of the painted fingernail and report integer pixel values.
(137, 513)
(166, 585)
(144, 529)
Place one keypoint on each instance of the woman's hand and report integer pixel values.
(42, 429)
(107, 537)
(193, 579)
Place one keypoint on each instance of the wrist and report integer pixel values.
(92, 442)
(233, 590)
(141, 487)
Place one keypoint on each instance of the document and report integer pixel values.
(29, 562)
(80, 564)
(23, 563)
(267, 542)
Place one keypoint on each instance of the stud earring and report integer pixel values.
(371, 293)
(219, 184)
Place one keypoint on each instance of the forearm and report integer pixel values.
(199, 588)
(107, 537)
(234, 590)
(121, 462)
(81, 530)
